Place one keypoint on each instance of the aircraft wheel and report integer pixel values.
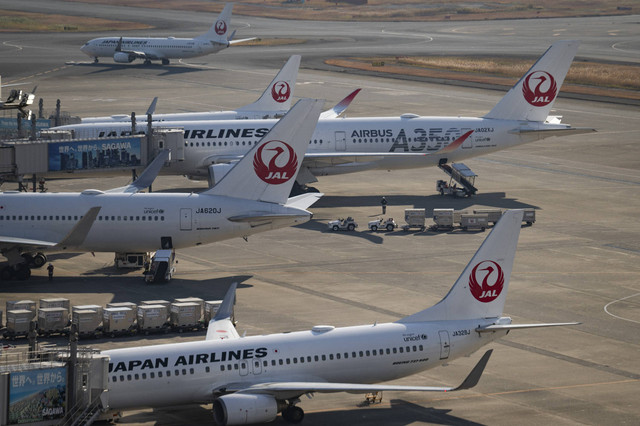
(293, 414)
(39, 260)
(165, 62)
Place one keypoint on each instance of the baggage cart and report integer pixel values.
(18, 321)
(474, 221)
(415, 219)
(529, 216)
(211, 309)
(443, 219)
(87, 322)
(152, 319)
(131, 305)
(96, 308)
(118, 321)
(192, 300)
(53, 321)
(165, 303)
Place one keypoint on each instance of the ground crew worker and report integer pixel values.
(50, 269)
(383, 202)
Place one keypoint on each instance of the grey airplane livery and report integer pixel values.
(346, 145)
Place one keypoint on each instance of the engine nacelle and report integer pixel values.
(242, 409)
(123, 57)
(217, 172)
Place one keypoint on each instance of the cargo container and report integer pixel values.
(192, 300)
(96, 308)
(210, 309)
(131, 305)
(414, 218)
(118, 320)
(185, 316)
(529, 216)
(474, 221)
(16, 305)
(157, 302)
(53, 321)
(493, 215)
(443, 219)
(152, 318)
(87, 321)
(18, 321)
(55, 302)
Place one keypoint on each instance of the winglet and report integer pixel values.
(147, 177)
(341, 106)
(474, 377)
(79, 232)
(152, 108)
(226, 308)
(221, 326)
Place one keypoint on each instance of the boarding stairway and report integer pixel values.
(461, 174)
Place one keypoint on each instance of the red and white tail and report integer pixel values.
(481, 290)
(267, 172)
(533, 96)
(219, 31)
(278, 95)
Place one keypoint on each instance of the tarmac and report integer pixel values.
(578, 262)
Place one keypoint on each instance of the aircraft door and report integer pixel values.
(444, 344)
(468, 143)
(341, 141)
(185, 219)
(244, 368)
(257, 367)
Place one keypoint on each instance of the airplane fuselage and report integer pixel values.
(157, 47)
(149, 376)
(136, 222)
(210, 142)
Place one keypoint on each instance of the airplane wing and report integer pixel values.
(74, 238)
(147, 177)
(221, 326)
(286, 390)
(341, 106)
(256, 219)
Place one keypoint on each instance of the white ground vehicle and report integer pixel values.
(445, 189)
(161, 269)
(388, 224)
(341, 224)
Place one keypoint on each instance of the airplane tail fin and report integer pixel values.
(481, 290)
(277, 95)
(533, 96)
(267, 172)
(219, 31)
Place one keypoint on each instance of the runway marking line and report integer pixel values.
(620, 300)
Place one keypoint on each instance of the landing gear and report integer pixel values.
(95, 60)
(165, 62)
(147, 61)
(293, 414)
(20, 272)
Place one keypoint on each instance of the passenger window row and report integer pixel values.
(66, 218)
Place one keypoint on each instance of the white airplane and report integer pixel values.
(274, 102)
(127, 49)
(252, 198)
(252, 379)
(355, 144)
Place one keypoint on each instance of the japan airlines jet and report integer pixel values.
(127, 49)
(274, 102)
(356, 144)
(252, 198)
(251, 379)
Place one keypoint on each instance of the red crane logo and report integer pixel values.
(280, 91)
(544, 92)
(481, 288)
(221, 27)
(280, 167)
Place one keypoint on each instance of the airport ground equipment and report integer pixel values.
(53, 321)
(29, 305)
(118, 321)
(165, 303)
(197, 300)
(382, 224)
(185, 316)
(153, 319)
(443, 219)
(87, 322)
(122, 305)
(493, 215)
(474, 221)
(529, 216)
(414, 218)
(162, 267)
(461, 174)
(54, 302)
(132, 260)
(211, 308)
(18, 321)
(348, 224)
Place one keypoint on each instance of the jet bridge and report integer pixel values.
(461, 174)
(56, 154)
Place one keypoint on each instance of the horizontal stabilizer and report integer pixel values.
(147, 177)
(304, 201)
(242, 40)
(497, 327)
(287, 388)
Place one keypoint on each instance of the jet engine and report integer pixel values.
(123, 57)
(242, 409)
